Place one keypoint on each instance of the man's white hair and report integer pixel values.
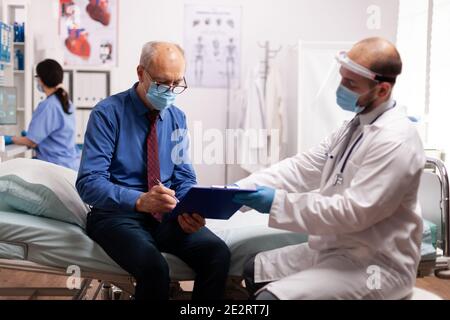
(149, 51)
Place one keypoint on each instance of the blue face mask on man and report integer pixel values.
(348, 99)
(160, 100)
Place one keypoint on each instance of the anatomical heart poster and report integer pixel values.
(88, 32)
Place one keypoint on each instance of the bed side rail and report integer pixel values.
(439, 167)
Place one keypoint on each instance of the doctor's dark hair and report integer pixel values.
(383, 56)
(390, 67)
(51, 74)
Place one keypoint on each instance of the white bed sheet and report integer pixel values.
(58, 244)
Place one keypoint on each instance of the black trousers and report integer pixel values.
(135, 242)
(249, 278)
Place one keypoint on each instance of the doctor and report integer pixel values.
(52, 128)
(355, 195)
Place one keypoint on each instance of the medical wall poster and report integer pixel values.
(212, 42)
(88, 32)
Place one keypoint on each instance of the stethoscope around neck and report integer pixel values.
(339, 178)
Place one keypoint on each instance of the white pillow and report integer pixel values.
(42, 189)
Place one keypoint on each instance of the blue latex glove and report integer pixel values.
(261, 200)
(24, 133)
(8, 140)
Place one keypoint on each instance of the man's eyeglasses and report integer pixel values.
(164, 88)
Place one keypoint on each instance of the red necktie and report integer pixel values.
(153, 170)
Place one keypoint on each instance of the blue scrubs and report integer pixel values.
(54, 133)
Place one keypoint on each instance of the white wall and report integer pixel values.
(412, 40)
(283, 22)
(439, 113)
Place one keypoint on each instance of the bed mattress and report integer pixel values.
(58, 244)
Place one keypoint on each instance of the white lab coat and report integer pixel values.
(371, 221)
(276, 115)
(264, 122)
(253, 139)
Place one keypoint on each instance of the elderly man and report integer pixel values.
(131, 180)
(355, 195)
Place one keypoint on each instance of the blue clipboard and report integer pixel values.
(214, 202)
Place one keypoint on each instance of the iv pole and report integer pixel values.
(227, 126)
(269, 54)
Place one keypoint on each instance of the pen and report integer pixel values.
(160, 184)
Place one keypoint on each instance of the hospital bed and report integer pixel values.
(434, 199)
(36, 244)
(40, 245)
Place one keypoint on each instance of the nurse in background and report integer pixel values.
(52, 128)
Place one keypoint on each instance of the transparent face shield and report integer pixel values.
(332, 77)
(319, 79)
(347, 63)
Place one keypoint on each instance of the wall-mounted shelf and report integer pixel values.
(17, 11)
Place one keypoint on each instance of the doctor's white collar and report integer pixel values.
(367, 118)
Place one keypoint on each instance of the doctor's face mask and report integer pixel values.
(349, 100)
(353, 76)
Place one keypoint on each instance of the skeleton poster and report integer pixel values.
(212, 42)
(88, 32)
